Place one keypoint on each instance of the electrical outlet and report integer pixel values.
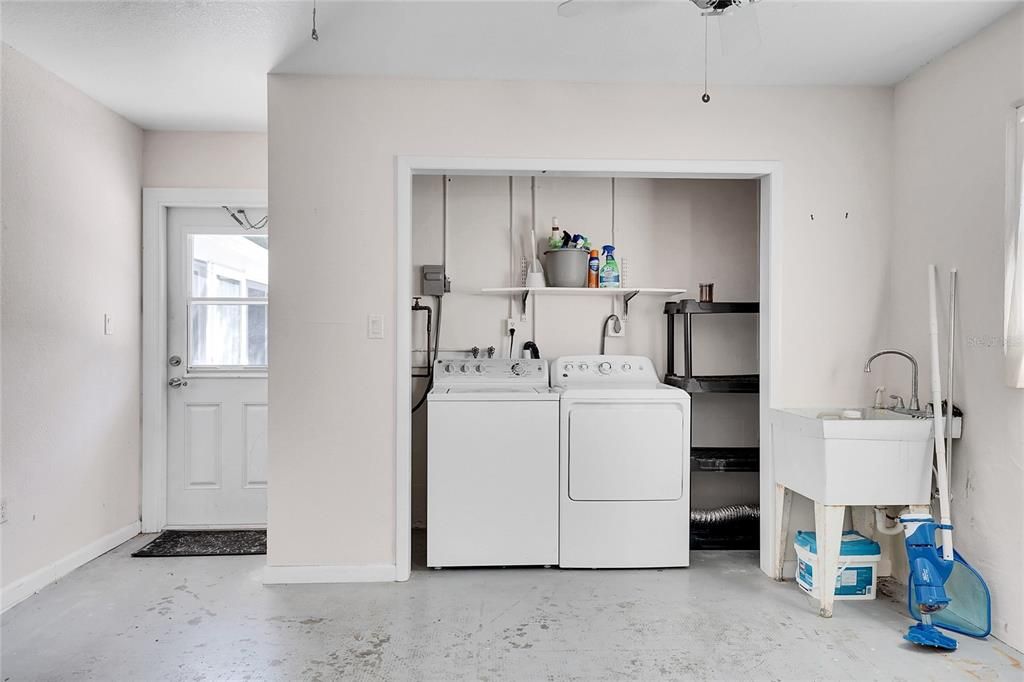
(510, 325)
(622, 329)
(375, 326)
(3, 510)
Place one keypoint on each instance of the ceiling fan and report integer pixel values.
(739, 30)
(715, 8)
(709, 8)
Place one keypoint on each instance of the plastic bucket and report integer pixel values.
(857, 574)
(566, 267)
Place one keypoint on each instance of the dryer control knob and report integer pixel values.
(605, 368)
(584, 367)
(626, 367)
(464, 369)
(517, 369)
(479, 369)
(448, 369)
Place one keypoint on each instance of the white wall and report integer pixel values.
(953, 146)
(71, 216)
(213, 160)
(333, 143)
(669, 233)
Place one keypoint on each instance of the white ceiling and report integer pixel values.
(201, 65)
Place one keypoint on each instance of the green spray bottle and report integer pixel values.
(609, 278)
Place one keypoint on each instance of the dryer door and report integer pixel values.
(626, 451)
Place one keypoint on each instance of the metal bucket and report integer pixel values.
(566, 267)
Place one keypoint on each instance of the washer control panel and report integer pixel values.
(603, 370)
(531, 372)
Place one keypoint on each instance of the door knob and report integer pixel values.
(177, 382)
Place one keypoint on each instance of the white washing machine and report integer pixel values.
(624, 458)
(492, 464)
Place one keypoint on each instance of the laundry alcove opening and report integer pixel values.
(670, 233)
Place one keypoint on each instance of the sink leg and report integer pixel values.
(828, 530)
(783, 505)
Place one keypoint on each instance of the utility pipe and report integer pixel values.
(941, 473)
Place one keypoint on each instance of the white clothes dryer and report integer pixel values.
(624, 464)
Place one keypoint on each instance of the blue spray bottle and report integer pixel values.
(610, 270)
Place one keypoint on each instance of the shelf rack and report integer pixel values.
(626, 293)
(725, 459)
(739, 535)
(746, 537)
(731, 383)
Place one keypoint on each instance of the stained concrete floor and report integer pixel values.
(210, 618)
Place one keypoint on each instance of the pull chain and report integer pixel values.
(705, 97)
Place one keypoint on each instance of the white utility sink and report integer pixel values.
(851, 457)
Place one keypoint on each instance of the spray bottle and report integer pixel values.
(555, 240)
(609, 277)
(593, 268)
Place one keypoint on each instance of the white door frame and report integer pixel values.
(155, 204)
(770, 253)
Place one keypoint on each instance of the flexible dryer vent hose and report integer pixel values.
(723, 515)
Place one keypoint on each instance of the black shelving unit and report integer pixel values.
(725, 459)
(730, 383)
(745, 537)
(735, 535)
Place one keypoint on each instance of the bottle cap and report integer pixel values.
(608, 249)
(593, 253)
(554, 223)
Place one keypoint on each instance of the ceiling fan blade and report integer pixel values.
(569, 9)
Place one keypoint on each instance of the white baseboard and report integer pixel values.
(285, 575)
(23, 588)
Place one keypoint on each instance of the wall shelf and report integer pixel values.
(626, 293)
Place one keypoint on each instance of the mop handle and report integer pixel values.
(950, 374)
(941, 475)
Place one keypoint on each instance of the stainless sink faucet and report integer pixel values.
(915, 405)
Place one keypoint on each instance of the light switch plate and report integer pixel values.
(108, 325)
(375, 326)
(3, 510)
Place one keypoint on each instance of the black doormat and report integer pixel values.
(205, 543)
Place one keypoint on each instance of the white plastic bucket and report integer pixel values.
(856, 579)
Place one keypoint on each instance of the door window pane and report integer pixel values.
(198, 277)
(230, 265)
(227, 287)
(228, 335)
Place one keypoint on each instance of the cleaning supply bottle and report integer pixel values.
(609, 277)
(555, 240)
(593, 268)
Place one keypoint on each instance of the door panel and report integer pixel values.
(217, 288)
(255, 445)
(626, 452)
(202, 445)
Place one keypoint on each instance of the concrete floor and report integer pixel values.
(119, 618)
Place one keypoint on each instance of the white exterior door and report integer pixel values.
(217, 288)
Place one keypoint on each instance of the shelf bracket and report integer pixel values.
(526, 297)
(625, 303)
